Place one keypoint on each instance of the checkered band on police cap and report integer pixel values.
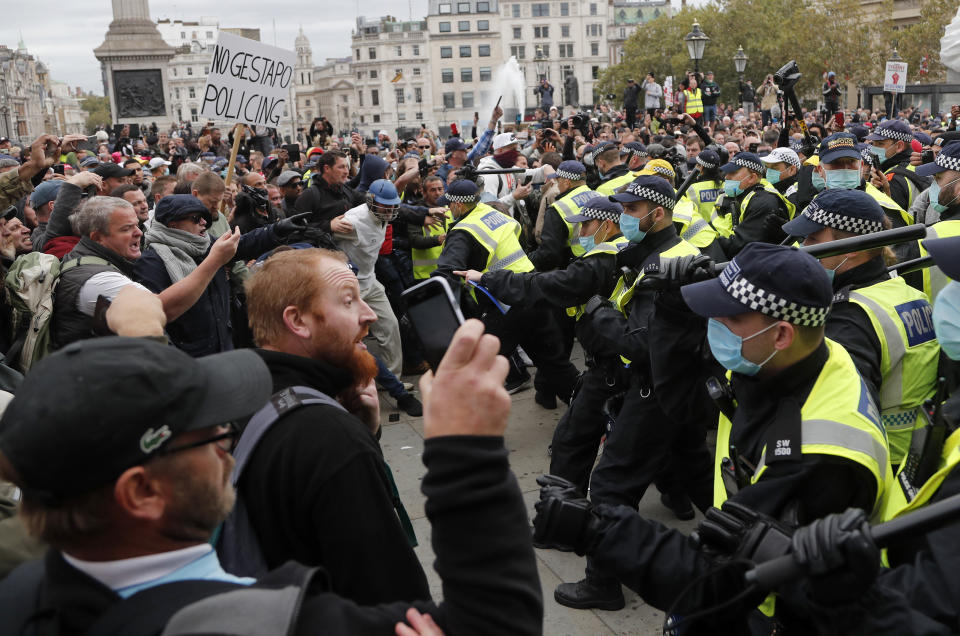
(461, 198)
(667, 172)
(842, 222)
(462, 191)
(706, 164)
(767, 303)
(888, 132)
(945, 161)
(601, 214)
(748, 164)
(795, 145)
(649, 194)
(572, 170)
(865, 152)
(602, 148)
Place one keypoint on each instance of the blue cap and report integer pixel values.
(648, 188)
(45, 192)
(796, 145)
(892, 129)
(708, 159)
(177, 206)
(923, 138)
(600, 208)
(460, 191)
(453, 144)
(241, 159)
(948, 159)
(601, 148)
(384, 192)
(846, 210)
(859, 131)
(946, 254)
(573, 170)
(207, 155)
(837, 146)
(635, 148)
(748, 160)
(778, 281)
(89, 162)
(267, 162)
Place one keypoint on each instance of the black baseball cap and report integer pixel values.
(97, 407)
(946, 254)
(107, 170)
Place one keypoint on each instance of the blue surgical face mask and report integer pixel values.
(630, 227)
(727, 348)
(731, 188)
(881, 153)
(817, 181)
(773, 176)
(842, 179)
(590, 242)
(831, 273)
(946, 319)
(934, 193)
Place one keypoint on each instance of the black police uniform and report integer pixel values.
(761, 220)
(899, 177)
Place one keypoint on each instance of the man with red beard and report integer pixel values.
(316, 488)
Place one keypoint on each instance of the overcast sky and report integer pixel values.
(64, 34)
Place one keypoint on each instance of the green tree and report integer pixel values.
(922, 38)
(98, 112)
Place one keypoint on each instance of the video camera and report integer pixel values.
(787, 76)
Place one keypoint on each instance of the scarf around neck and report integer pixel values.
(180, 251)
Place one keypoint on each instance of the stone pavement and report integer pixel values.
(528, 434)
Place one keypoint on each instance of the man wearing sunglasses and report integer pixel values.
(291, 186)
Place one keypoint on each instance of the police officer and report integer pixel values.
(783, 166)
(884, 324)
(691, 226)
(636, 155)
(644, 443)
(944, 196)
(751, 209)
(483, 239)
(801, 440)
(577, 436)
(613, 172)
(704, 191)
(890, 142)
(559, 239)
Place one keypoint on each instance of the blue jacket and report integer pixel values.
(205, 328)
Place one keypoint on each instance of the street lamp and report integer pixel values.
(696, 41)
(540, 62)
(740, 63)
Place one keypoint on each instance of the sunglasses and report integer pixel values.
(424, 147)
(225, 441)
(295, 184)
(196, 218)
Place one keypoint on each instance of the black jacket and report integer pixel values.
(899, 178)
(327, 202)
(480, 535)
(630, 94)
(554, 249)
(761, 221)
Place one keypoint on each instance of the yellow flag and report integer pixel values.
(397, 78)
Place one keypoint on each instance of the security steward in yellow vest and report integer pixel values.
(577, 436)
(890, 142)
(693, 100)
(614, 174)
(426, 241)
(645, 444)
(883, 323)
(945, 198)
(559, 240)
(751, 210)
(486, 240)
(918, 590)
(803, 439)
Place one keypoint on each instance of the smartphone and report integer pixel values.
(838, 118)
(293, 151)
(58, 168)
(435, 316)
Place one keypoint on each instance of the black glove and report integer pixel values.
(565, 520)
(291, 224)
(674, 273)
(738, 532)
(839, 553)
(595, 303)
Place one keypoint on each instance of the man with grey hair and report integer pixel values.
(8, 163)
(103, 262)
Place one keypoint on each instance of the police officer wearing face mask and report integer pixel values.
(884, 324)
(751, 209)
(783, 166)
(944, 196)
(890, 142)
(614, 174)
(559, 241)
(800, 437)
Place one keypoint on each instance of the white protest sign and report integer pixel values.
(895, 77)
(249, 82)
(668, 91)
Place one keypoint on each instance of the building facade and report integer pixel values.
(65, 111)
(24, 96)
(625, 17)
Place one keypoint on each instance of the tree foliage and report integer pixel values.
(98, 112)
(821, 35)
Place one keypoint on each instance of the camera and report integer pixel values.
(927, 156)
(787, 76)
(611, 96)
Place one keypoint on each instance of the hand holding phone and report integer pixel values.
(435, 315)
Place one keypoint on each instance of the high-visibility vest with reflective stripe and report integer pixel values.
(425, 260)
(609, 188)
(888, 203)
(723, 224)
(499, 234)
(934, 280)
(694, 103)
(613, 246)
(703, 195)
(912, 190)
(838, 418)
(691, 226)
(903, 321)
(898, 501)
(569, 205)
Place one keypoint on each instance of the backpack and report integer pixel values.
(29, 286)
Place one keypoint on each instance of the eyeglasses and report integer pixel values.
(196, 218)
(424, 147)
(295, 184)
(225, 441)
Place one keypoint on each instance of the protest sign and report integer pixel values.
(895, 77)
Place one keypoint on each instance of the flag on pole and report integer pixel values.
(397, 78)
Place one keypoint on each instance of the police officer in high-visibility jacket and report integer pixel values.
(559, 240)
(426, 242)
(944, 195)
(890, 142)
(783, 165)
(578, 434)
(644, 445)
(883, 323)
(751, 209)
(801, 438)
(614, 174)
(635, 155)
(691, 226)
(484, 239)
(704, 191)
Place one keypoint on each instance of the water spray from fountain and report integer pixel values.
(508, 82)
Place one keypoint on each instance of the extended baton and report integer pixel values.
(913, 265)
(687, 182)
(776, 572)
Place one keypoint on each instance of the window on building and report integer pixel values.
(517, 33)
(466, 51)
(446, 51)
(362, 119)
(444, 27)
(359, 74)
(594, 30)
(449, 100)
(306, 102)
(193, 115)
(544, 48)
(594, 48)
(209, 35)
(174, 69)
(343, 98)
(357, 54)
(374, 97)
(483, 50)
(446, 76)
(398, 92)
(191, 93)
(483, 25)
(189, 70)
(373, 73)
(206, 70)
(466, 99)
(486, 74)
(593, 8)
(360, 96)
(516, 10)
(463, 7)
(483, 7)
(444, 8)
(595, 72)
(466, 75)
(541, 31)
(518, 51)
(564, 8)
(183, 35)
(540, 9)
(419, 116)
(372, 53)
(399, 51)
(376, 119)
(416, 49)
(176, 93)
(564, 30)
(416, 72)
(566, 50)
(418, 95)
(463, 25)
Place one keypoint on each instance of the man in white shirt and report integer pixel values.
(509, 189)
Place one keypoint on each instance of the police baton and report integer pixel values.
(913, 265)
(693, 176)
(784, 569)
